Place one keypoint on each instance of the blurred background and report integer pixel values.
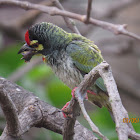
(121, 52)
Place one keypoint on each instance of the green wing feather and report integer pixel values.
(85, 56)
(100, 83)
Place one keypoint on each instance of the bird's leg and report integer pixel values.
(64, 111)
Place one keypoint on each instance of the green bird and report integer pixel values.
(70, 56)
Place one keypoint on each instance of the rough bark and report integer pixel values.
(33, 112)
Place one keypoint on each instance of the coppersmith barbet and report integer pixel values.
(70, 56)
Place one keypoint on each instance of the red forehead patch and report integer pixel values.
(27, 39)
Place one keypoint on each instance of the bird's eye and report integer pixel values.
(35, 45)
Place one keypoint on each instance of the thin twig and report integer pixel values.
(80, 95)
(116, 29)
(86, 116)
(134, 136)
(88, 10)
(29, 17)
(70, 23)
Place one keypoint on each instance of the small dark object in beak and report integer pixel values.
(27, 55)
(27, 52)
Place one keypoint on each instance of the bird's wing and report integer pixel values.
(85, 57)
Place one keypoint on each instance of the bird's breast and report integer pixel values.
(66, 71)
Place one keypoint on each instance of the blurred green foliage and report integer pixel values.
(48, 87)
(9, 60)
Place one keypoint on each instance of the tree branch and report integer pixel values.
(32, 112)
(12, 126)
(116, 29)
(14, 29)
(80, 93)
(39, 114)
(30, 16)
(69, 22)
(124, 130)
(88, 10)
(73, 110)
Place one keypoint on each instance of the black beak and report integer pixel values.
(24, 48)
(27, 52)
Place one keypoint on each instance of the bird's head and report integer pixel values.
(31, 47)
(43, 38)
(38, 41)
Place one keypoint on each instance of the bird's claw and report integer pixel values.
(64, 109)
(73, 94)
(64, 112)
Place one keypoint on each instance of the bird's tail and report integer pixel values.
(101, 99)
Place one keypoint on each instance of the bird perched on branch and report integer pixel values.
(70, 56)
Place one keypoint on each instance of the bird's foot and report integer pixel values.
(91, 92)
(73, 94)
(64, 110)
